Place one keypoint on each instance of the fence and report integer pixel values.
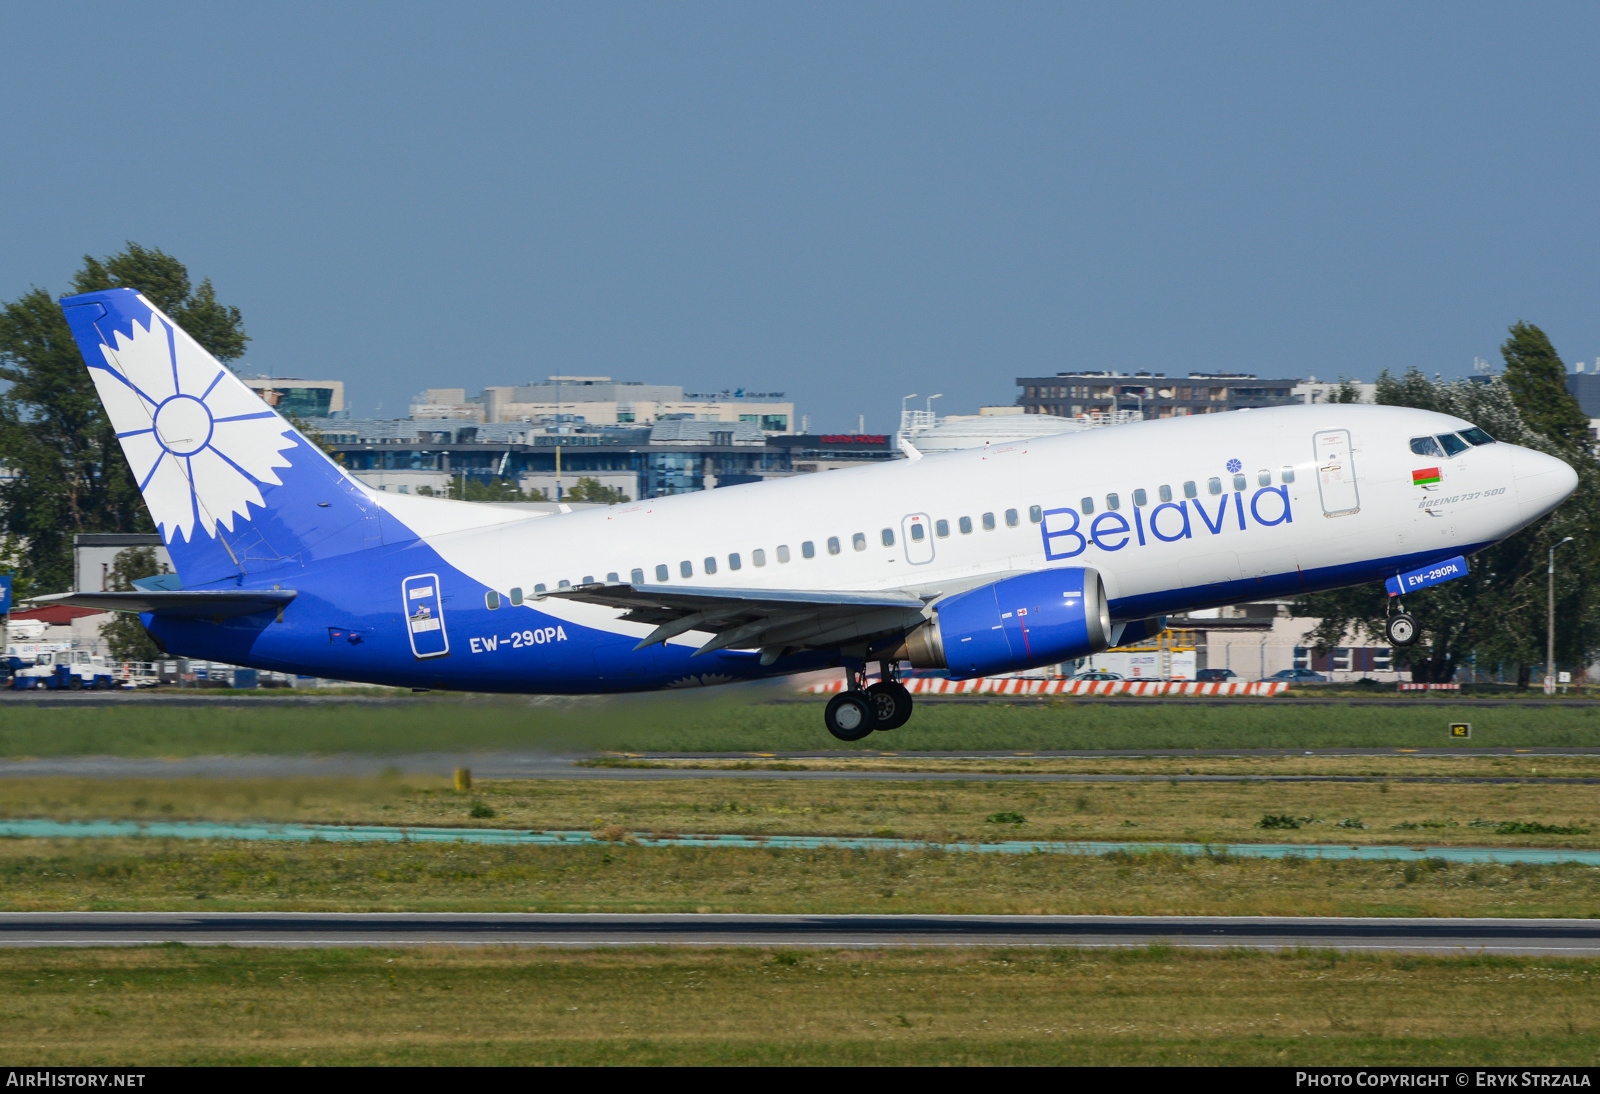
(922, 685)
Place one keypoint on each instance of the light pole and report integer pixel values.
(1550, 640)
(931, 398)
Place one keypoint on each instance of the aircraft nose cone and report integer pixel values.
(1543, 482)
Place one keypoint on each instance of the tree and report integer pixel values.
(70, 474)
(589, 489)
(1495, 615)
(126, 638)
(1538, 381)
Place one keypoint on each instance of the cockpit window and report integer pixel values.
(1453, 445)
(1476, 435)
(1426, 446)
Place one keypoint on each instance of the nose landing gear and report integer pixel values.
(1400, 628)
(852, 715)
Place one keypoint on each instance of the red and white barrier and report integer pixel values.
(921, 685)
(1430, 687)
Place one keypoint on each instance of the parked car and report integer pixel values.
(1298, 676)
(1096, 674)
(1215, 676)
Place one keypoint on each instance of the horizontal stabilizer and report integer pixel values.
(193, 603)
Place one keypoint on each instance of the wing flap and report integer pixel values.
(756, 618)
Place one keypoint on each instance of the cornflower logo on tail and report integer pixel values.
(200, 444)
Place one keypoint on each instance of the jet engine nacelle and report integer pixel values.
(1019, 623)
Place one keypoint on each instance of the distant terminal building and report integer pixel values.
(296, 398)
(602, 401)
(1151, 394)
(675, 456)
(1585, 387)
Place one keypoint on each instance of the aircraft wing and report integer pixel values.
(198, 603)
(772, 620)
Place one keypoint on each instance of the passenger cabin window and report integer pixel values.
(1164, 493)
(1140, 498)
(1426, 446)
(637, 577)
(1453, 445)
(710, 566)
(733, 562)
(1189, 490)
(1263, 478)
(965, 524)
(1012, 520)
(941, 528)
(919, 533)
(887, 535)
(808, 549)
(758, 557)
(1476, 435)
(1087, 505)
(1113, 502)
(686, 568)
(783, 552)
(1286, 475)
(1215, 486)
(612, 577)
(563, 584)
(661, 572)
(1036, 513)
(516, 595)
(988, 522)
(539, 589)
(491, 600)
(1240, 482)
(833, 545)
(859, 541)
(588, 579)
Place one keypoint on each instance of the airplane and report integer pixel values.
(976, 562)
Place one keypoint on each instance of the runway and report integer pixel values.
(1546, 937)
(764, 766)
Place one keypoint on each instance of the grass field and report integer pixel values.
(174, 1005)
(1470, 814)
(154, 874)
(180, 875)
(744, 719)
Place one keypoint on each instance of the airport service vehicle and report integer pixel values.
(1214, 676)
(977, 562)
(71, 669)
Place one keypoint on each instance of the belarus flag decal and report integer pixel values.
(1426, 477)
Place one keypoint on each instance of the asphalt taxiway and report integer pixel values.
(1550, 937)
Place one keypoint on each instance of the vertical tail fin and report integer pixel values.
(234, 488)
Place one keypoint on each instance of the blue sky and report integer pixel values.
(845, 202)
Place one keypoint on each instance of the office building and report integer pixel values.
(1150, 394)
(602, 401)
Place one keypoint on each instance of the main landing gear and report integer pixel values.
(852, 715)
(1400, 628)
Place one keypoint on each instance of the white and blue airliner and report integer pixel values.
(975, 562)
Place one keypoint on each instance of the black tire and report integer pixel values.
(849, 716)
(891, 702)
(1401, 629)
(74, 683)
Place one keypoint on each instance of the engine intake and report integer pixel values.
(1019, 623)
